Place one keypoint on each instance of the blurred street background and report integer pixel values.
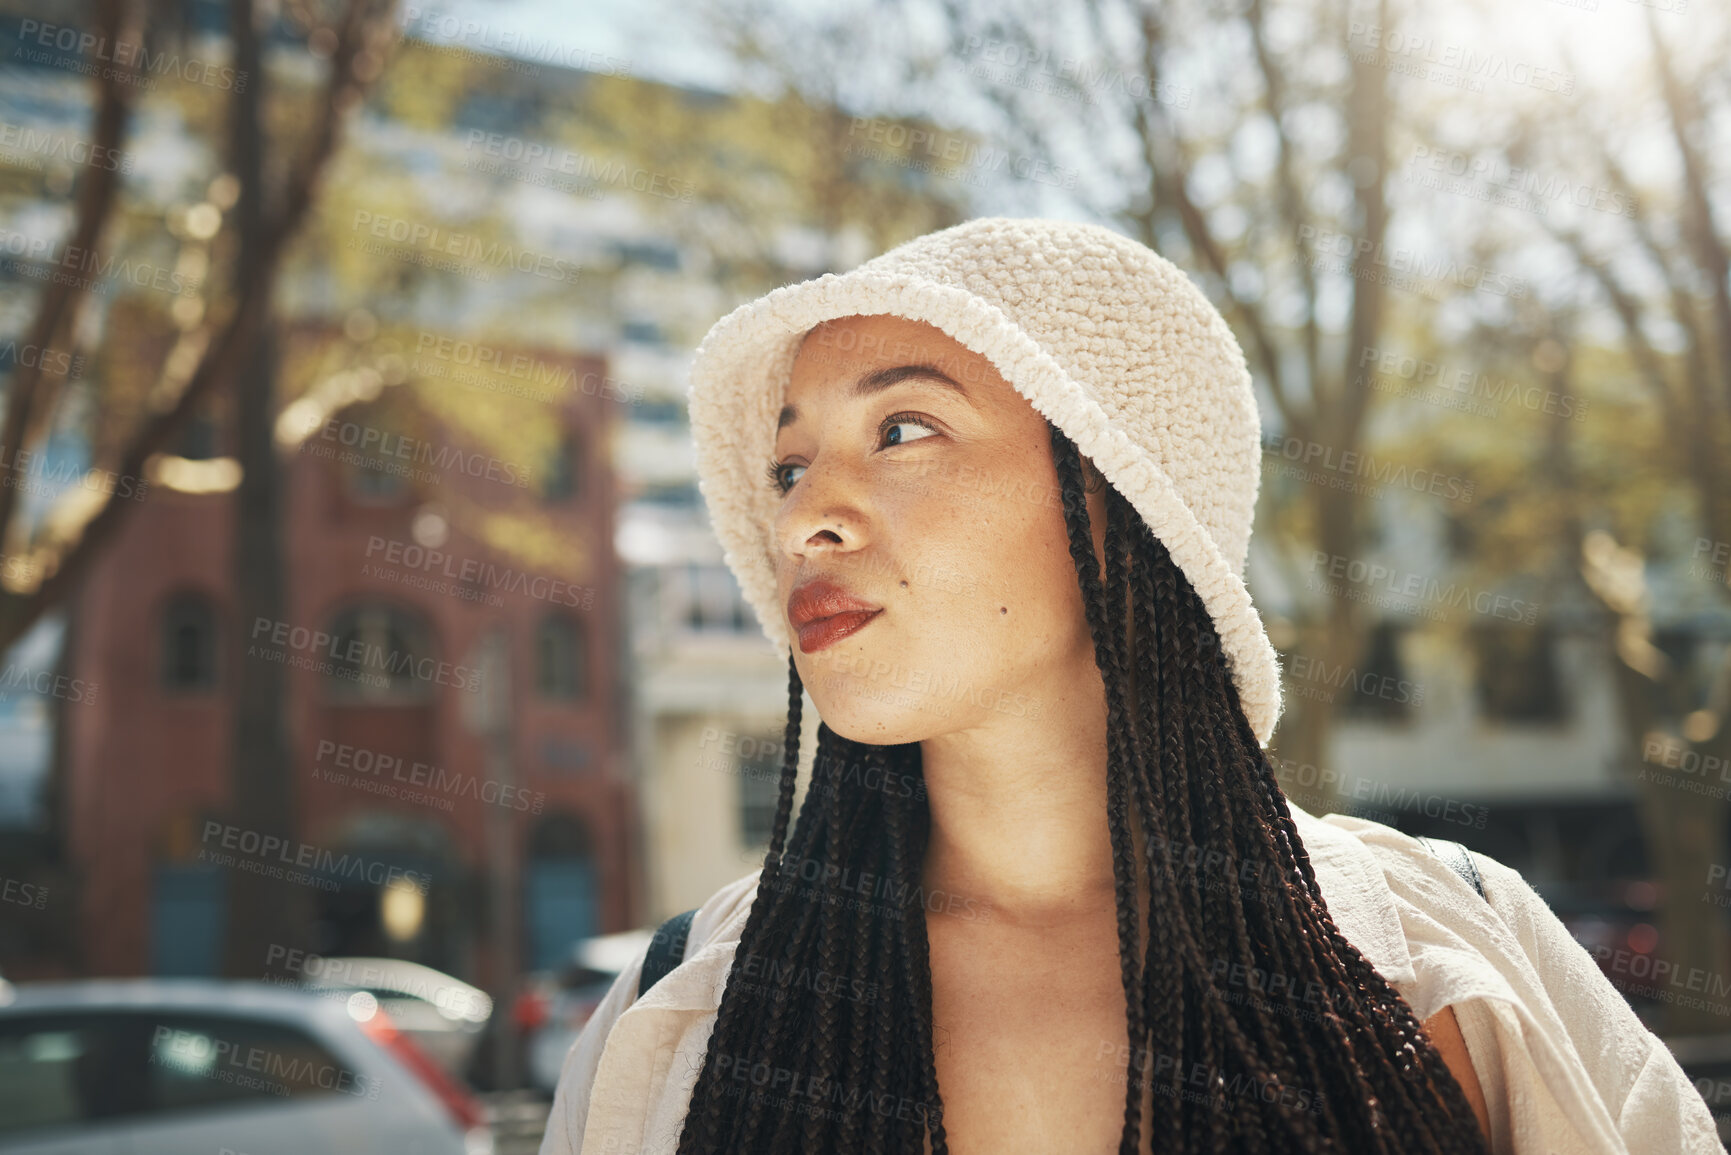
(372, 680)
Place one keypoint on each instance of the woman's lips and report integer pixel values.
(814, 636)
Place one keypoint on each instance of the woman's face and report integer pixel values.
(939, 503)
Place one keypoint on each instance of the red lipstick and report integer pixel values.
(823, 613)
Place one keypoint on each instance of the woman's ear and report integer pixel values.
(1093, 481)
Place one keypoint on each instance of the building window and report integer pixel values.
(559, 665)
(369, 441)
(713, 602)
(197, 439)
(564, 469)
(1376, 688)
(381, 653)
(759, 790)
(370, 479)
(188, 643)
(1517, 675)
(1695, 665)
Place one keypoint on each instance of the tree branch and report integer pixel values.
(223, 357)
(31, 392)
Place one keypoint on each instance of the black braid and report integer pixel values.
(1336, 1062)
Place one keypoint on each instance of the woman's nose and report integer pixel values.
(822, 511)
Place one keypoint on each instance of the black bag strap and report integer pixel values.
(1458, 859)
(666, 950)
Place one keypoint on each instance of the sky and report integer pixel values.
(662, 40)
(654, 39)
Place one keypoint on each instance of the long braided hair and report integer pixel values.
(1254, 1025)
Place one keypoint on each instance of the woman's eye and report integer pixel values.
(777, 480)
(895, 423)
(778, 471)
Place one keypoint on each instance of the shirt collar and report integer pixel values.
(1348, 873)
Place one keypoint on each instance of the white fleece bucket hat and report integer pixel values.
(1108, 340)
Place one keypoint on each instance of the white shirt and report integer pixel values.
(1565, 1064)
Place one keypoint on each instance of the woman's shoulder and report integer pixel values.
(1566, 1023)
(1408, 861)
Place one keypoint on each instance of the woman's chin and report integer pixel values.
(859, 718)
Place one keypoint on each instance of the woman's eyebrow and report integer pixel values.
(881, 379)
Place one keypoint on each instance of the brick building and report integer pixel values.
(401, 537)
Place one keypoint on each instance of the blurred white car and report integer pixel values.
(169, 1066)
(559, 1003)
(444, 1015)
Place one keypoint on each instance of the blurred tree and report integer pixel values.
(353, 35)
(214, 337)
(1655, 257)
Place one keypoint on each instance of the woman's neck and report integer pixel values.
(1019, 812)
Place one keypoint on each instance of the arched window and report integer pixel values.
(188, 643)
(382, 653)
(560, 663)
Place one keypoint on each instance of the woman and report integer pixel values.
(991, 493)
